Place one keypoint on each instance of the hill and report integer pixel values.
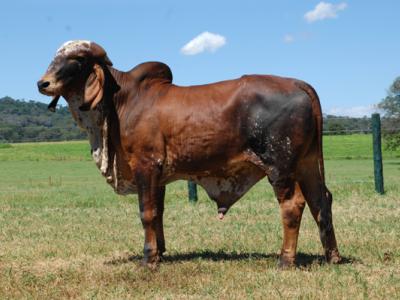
(22, 121)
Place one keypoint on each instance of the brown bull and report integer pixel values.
(146, 132)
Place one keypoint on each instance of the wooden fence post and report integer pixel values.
(377, 147)
(192, 187)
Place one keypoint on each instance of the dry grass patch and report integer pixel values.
(76, 239)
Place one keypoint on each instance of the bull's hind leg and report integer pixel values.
(291, 202)
(319, 199)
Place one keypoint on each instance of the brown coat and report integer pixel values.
(146, 132)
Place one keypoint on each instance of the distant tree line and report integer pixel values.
(391, 121)
(23, 121)
(334, 125)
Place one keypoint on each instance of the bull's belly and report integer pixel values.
(227, 183)
(228, 187)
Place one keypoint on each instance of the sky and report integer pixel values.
(348, 50)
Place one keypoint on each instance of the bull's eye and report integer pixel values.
(80, 59)
(70, 69)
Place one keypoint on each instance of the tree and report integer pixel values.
(335, 128)
(31, 121)
(391, 121)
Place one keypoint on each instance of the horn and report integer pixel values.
(98, 52)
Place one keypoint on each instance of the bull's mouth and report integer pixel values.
(46, 87)
(46, 92)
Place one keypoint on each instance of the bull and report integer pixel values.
(146, 132)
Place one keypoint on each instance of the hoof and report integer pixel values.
(151, 263)
(286, 263)
(161, 258)
(160, 253)
(333, 257)
(336, 259)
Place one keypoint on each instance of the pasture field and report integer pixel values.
(65, 234)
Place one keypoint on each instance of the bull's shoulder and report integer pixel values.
(152, 70)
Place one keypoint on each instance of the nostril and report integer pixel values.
(43, 84)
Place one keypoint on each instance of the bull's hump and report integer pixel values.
(152, 70)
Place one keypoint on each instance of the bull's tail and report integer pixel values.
(317, 113)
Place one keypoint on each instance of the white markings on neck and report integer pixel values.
(90, 122)
(97, 127)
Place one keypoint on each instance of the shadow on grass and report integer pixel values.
(201, 255)
(218, 256)
(303, 260)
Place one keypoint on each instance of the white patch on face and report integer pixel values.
(73, 46)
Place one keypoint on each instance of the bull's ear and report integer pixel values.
(93, 89)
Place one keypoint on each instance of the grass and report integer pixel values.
(51, 151)
(5, 146)
(65, 234)
(356, 146)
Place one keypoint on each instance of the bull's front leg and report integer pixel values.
(151, 205)
(159, 221)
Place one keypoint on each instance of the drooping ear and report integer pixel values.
(93, 89)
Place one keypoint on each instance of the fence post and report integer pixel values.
(192, 187)
(376, 139)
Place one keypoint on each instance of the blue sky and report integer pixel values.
(348, 50)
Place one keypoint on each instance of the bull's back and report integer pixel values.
(200, 123)
(209, 123)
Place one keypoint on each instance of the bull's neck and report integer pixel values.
(123, 80)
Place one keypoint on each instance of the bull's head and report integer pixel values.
(78, 67)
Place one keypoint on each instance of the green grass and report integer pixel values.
(356, 146)
(5, 146)
(65, 234)
(52, 151)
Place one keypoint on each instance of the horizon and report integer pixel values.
(345, 49)
(65, 105)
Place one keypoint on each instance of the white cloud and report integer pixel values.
(324, 10)
(355, 111)
(205, 41)
(288, 38)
